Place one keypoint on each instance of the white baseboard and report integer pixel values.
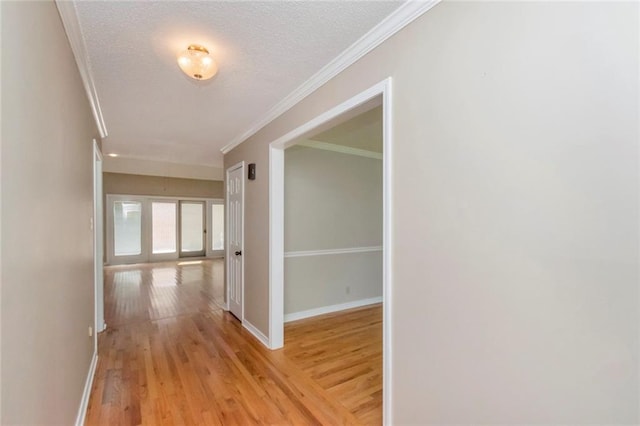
(294, 316)
(84, 402)
(257, 333)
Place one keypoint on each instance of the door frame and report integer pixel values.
(276, 225)
(227, 256)
(98, 243)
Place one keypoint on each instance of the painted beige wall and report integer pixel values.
(325, 211)
(139, 166)
(130, 184)
(515, 211)
(339, 210)
(47, 244)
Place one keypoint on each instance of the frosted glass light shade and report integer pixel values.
(197, 63)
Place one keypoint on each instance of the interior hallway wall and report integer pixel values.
(130, 184)
(515, 211)
(47, 203)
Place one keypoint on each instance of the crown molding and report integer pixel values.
(69, 16)
(393, 23)
(342, 149)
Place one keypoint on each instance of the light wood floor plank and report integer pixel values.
(172, 356)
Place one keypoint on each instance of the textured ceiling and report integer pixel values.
(264, 50)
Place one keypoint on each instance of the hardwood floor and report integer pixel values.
(171, 355)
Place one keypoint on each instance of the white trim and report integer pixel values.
(86, 394)
(276, 247)
(304, 253)
(290, 138)
(341, 149)
(387, 259)
(276, 226)
(98, 243)
(256, 333)
(294, 316)
(69, 16)
(397, 20)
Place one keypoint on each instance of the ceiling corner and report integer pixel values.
(397, 20)
(69, 16)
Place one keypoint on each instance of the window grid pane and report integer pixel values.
(191, 227)
(164, 227)
(127, 224)
(217, 227)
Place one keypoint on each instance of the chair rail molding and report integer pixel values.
(304, 253)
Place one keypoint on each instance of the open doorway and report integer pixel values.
(333, 218)
(377, 96)
(333, 261)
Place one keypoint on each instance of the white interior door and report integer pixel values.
(235, 264)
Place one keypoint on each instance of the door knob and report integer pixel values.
(238, 253)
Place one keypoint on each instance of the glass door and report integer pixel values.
(149, 229)
(164, 230)
(215, 234)
(192, 228)
(126, 230)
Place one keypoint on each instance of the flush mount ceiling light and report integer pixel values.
(197, 63)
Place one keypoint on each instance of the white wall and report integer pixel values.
(47, 204)
(515, 211)
(332, 201)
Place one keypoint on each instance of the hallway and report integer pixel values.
(172, 355)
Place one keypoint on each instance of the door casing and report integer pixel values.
(275, 339)
(98, 244)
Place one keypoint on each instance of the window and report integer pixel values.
(191, 226)
(217, 226)
(127, 223)
(163, 222)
